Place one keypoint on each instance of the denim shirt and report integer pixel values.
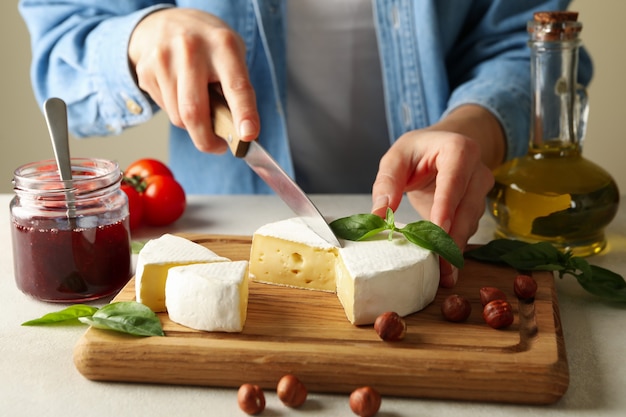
(435, 54)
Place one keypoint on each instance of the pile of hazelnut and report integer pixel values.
(364, 401)
(497, 311)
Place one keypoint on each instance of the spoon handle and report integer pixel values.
(56, 119)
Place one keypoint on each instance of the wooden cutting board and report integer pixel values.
(306, 333)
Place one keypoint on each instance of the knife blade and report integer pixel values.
(268, 169)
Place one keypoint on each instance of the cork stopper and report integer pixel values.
(555, 17)
(554, 26)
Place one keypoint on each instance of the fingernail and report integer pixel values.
(246, 128)
(381, 202)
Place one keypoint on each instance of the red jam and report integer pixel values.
(71, 239)
(72, 265)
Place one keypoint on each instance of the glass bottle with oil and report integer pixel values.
(553, 193)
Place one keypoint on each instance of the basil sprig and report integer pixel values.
(68, 316)
(125, 316)
(543, 256)
(422, 233)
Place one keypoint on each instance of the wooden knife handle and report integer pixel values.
(223, 122)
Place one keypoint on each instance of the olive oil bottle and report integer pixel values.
(553, 193)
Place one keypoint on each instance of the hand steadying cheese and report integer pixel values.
(444, 171)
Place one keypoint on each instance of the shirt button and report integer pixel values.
(133, 107)
(406, 114)
(395, 17)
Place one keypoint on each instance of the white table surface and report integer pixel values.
(38, 377)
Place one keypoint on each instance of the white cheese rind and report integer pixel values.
(293, 230)
(209, 297)
(157, 257)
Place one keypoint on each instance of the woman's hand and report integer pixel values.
(176, 53)
(444, 174)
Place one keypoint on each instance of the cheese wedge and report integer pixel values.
(209, 297)
(370, 277)
(289, 253)
(157, 257)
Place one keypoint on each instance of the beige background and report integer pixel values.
(24, 136)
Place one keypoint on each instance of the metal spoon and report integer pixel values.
(55, 112)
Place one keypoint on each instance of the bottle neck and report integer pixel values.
(553, 84)
(555, 107)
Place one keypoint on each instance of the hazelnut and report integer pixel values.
(456, 308)
(390, 327)
(365, 401)
(525, 287)
(491, 293)
(291, 391)
(498, 314)
(251, 399)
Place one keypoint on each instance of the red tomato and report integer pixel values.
(135, 205)
(163, 200)
(147, 167)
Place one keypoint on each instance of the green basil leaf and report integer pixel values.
(494, 250)
(373, 233)
(603, 283)
(535, 256)
(68, 315)
(432, 237)
(423, 233)
(136, 246)
(358, 226)
(127, 317)
(609, 279)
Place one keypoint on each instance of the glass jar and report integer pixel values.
(553, 193)
(71, 240)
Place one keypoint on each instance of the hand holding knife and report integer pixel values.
(267, 168)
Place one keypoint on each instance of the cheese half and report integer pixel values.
(157, 257)
(370, 277)
(209, 297)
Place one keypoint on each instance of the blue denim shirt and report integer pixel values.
(436, 55)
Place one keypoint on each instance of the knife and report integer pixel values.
(267, 168)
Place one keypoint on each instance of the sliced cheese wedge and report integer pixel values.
(209, 297)
(369, 277)
(157, 257)
(289, 253)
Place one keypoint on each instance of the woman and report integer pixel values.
(420, 97)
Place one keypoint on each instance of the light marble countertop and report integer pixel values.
(38, 377)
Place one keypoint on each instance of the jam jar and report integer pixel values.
(71, 239)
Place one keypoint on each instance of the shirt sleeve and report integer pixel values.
(80, 54)
(492, 65)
